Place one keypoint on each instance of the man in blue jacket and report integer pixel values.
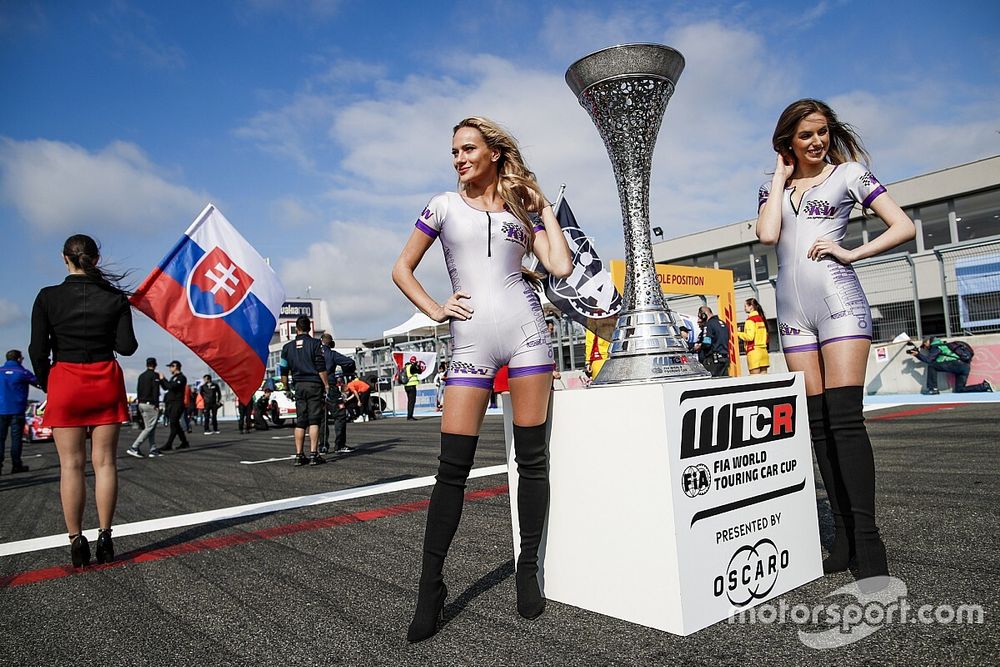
(14, 381)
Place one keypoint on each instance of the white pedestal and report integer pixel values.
(677, 505)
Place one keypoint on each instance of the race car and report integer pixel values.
(33, 429)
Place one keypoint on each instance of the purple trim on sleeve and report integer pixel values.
(539, 228)
(430, 231)
(522, 371)
(479, 383)
(870, 198)
(840, 338)
(809, 347)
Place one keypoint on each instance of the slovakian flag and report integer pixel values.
(587, 295)
(219, 297)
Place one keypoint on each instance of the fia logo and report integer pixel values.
(216, 285)
(714, 429)
(696, 480)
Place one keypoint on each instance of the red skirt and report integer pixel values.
(85, 395)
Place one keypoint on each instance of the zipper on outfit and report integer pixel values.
(489, 235)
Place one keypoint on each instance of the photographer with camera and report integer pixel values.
(947, 357)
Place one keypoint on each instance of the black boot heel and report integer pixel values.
(430, 610)
(105, 546)
(530, 603)
(79, 550)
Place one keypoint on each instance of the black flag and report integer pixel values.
(587, 295)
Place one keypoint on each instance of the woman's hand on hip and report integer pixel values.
(827, 249)
(453, 308)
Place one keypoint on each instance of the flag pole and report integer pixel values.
(559, 198)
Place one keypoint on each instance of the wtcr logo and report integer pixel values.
(714, 429)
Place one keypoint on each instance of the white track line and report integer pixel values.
(197, 518)
(280, 458)
(881, 406)
(282, 437)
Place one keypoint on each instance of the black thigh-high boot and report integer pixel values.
(443, 515)
(842, 550)
(532, 504)
(857, 471)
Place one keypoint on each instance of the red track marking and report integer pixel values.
(917, 411)
(209, 544)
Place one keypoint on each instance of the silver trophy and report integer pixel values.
(625, 89)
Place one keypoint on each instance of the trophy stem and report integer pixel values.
(625, 89)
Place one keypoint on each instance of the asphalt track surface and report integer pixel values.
(335, 583)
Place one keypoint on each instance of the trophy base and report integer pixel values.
(645, 348)
(645, 368)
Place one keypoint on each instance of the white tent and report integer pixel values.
(418, 326)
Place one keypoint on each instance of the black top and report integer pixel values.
(79, 321)
(334, 359)
(175, 386)
(303, 357)
(210, 393)
(717, 330)
(148, 388)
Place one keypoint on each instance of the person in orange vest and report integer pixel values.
(360, 391)
(754, 337)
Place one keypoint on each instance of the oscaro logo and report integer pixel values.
(696, 480)
(711, 429)
(752, 573)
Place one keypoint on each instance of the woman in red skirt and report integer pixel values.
(81, 323)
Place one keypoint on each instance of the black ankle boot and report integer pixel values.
(430, 608)
(79, 550)
(532, 504)
(842, 549)
(105, 546)
(856, 467)
(443, 517)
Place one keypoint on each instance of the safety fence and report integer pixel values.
(953, 290)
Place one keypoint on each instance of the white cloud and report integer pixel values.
(312, 9)
(386, 151)
(60, 187)
(133, 34)
(10, 313)
(352, 273)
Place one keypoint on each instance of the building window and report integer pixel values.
(934, 224)
(738, 261)
(762, 261)
(876, 227)
(978, 216)
(854, 235)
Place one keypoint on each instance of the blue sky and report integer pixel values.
(321, 127)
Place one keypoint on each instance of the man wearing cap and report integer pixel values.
(411, 372)
(176, 388)
(147, 396)
(14, 381)
(303, 358)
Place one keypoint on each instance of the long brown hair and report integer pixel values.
(83, 252)
(845, 144)
(753, 303)
(516, 184)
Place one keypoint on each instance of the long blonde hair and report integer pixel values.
(516, 184)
